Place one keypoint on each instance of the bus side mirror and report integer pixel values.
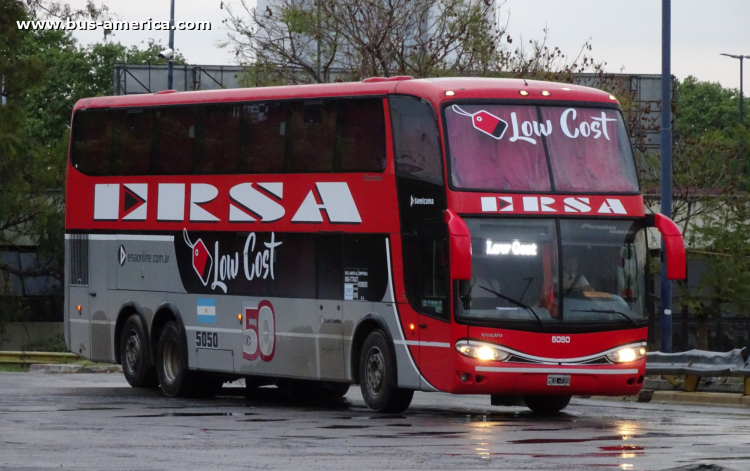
(459, 243)
(674, 245)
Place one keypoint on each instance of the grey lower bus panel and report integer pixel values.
(312, 337)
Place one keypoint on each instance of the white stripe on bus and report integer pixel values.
(212, 329)
(126, 237)
(398, 321)
(87, 321)
(422, 344)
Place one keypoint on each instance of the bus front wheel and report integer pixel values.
(546, 404)
(172, 363)
(377, 377)
(134, 355)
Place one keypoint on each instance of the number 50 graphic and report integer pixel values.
(260, 332)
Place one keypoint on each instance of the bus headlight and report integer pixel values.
(627, 354)
(481, 351)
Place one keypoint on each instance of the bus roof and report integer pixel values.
(432, 89)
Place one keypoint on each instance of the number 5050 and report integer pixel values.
(205, 339)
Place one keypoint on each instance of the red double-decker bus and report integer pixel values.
(471, 236)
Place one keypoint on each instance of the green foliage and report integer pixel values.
(44, 74)
(710, 203)
(705, 106)
(53, 343)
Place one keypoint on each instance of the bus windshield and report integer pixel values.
(548, 271)
(515, 148)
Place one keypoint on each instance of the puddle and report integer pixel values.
(568, 440)
(264, 420)
(621, 448)
(432, 434)
(78, 409)
(345, 427)
(192, 414)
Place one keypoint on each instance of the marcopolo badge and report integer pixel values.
(485, 122)
(202, 260)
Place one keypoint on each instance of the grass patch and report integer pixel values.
(7, 368)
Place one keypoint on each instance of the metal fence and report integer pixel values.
(148, 78)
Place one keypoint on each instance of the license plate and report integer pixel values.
(558, 380)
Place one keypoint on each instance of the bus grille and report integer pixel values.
(79, 259)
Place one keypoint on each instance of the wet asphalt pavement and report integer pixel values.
(96, 421)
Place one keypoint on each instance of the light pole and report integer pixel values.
(740, 57)
(171, 46)
(666, 166)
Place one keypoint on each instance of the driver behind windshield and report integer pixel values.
(573, 279)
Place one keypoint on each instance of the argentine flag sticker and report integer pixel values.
(206, 311)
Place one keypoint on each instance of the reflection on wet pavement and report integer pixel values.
(95, 427)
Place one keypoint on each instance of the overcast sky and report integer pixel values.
(624, 33)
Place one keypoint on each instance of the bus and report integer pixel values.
(463, 235)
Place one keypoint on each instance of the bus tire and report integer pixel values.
(134, 355)
(171, 363)
(546, 404)
(377, 377)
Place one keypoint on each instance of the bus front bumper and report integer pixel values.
(504, 378)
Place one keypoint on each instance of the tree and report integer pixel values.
(27, 211)
(43, 74)
(710, 204)
(314, 41)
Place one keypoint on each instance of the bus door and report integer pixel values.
(427, 287)
(329, 316)
(103, 254)
(79, 317)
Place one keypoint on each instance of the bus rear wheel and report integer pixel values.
(546, 404)
(134, 355)
(171, 363)
(377, 377)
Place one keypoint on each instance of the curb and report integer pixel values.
(682, 397)
(701, 398)
(68, 369)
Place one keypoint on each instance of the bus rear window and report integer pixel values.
(513, 148)
(91, 142)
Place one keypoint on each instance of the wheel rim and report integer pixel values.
(375, 371)
(132, 351)
(171, 360)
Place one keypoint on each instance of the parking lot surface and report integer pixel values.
(96, 421)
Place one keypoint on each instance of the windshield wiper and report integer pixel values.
(608, 311)
(517, 303)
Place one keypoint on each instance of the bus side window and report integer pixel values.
(361, 136)
(365, 268)
(220, 133)
(264, 137)
(416, 140)
(133, 141)
(312, 126)
(330, 271)
(294, 267)
(91, 142)
(175, 145)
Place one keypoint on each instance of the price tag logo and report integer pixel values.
(485, 122)
(202, 260)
